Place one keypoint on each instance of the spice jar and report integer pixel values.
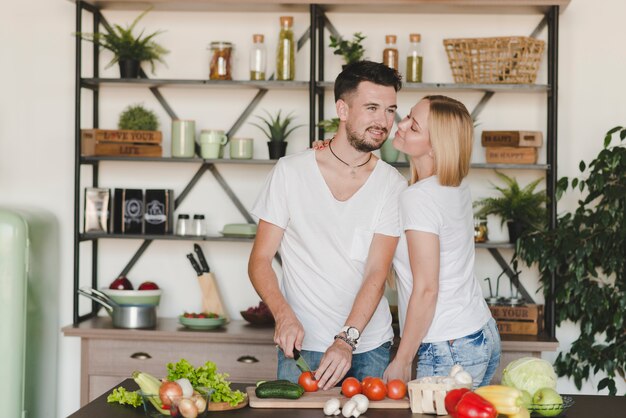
(198, 226)
(258, 58)
(414, 59)
(480, 230)
(183, 225)
(390, 53)
(220, 67)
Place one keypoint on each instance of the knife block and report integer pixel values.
(211, 299)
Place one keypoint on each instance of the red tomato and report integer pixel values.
(365, 383)
(350, 387)
(396, 389)
(308, 383)
(375, 389)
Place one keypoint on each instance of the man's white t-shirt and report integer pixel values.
(447, 212)
(326, 243)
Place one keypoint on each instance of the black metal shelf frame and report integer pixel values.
(317, 88)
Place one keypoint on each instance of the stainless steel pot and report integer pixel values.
(124, 316)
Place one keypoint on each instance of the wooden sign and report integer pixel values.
(526, 320)
(511, 155)
(512, 139)
(121, 135)
(90, 147)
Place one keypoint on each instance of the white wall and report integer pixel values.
(36, 128)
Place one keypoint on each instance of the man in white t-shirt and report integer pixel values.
(333, 213)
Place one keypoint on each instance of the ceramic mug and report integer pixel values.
(183, 138)
(241, 148)
(210, 140)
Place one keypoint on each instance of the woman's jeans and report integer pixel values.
(478, 353)
(370, 363)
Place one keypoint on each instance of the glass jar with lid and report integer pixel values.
(220, 65)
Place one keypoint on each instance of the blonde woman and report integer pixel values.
(443, 316)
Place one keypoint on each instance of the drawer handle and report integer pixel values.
(141, 356)
(247, 359)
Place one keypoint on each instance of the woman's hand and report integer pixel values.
(398, 370)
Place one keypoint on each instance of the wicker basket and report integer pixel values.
(511, 60)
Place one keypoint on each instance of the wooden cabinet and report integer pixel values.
(110, 355)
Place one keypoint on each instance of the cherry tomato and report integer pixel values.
(350, 387)
(308, 383)
(375, 389)
(396, 389)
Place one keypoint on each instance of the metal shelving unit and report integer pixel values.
(316, 87)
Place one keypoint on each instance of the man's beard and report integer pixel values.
(358, 142)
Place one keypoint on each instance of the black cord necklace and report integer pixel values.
(352, 168)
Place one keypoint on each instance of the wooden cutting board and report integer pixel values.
(318, 399)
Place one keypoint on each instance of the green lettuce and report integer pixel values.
(122, 396)
(208, 377)
(529, 374)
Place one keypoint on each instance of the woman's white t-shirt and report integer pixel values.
(428, 206)
(326, 243)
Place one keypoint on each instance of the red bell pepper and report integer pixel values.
(472, 405)
(452, 399)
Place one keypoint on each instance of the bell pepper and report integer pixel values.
(507, 400)
(472, 405)
(452, 399)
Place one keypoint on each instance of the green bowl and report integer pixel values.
(134, 297)
(202, 323)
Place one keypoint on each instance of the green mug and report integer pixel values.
(241, 148)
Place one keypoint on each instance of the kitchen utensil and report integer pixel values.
(239, 230)
(134, 297)
(128, 316)
(202, 323)
(211, 300)
(301, 362)
(316, 400)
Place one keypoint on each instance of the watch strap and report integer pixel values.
(348, 341)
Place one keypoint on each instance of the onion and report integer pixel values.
(169, 390)
(185, 385)
(187, 408)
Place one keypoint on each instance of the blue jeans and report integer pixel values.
(478, 353)
(370, 363)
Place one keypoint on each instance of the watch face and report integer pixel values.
(353, 333)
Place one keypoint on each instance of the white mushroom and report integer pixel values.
(332, 407)
(362, 403)
(463, 378)
(455, 369)
(350, 409)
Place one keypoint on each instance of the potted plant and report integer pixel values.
(277, 129)
(129, 51)
(330, 126)
(351, 51)
(523, 209)
(582, 260)
(138, 118)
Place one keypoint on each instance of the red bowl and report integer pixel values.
(257, 319)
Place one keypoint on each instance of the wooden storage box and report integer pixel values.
(512, 139)
(511, 155)
(109, 142)
(525, 320)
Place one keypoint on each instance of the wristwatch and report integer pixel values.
(351, 335)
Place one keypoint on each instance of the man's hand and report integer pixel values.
(288, 333)
(334, 365)
(398, 370)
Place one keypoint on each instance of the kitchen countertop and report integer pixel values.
(585, 406)
(240, 331)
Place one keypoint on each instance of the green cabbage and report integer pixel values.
(529, 374)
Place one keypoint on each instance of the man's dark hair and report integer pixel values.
(348, 80)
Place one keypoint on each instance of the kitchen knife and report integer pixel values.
(301, 362)
(194, 264)
(200, 254)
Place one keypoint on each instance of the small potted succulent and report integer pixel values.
(277, 129)
(523, 209)
(351, 51)
(128, 51)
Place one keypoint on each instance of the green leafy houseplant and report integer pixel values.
(351, 51)
(523, 206)
(125, 46)
(276, 128)
(329, 125)
(136, 117)
(585, 256)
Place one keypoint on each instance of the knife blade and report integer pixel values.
(200, 254)
(301, 362)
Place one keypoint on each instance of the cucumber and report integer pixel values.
(279, 389)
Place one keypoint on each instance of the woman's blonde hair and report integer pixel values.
(451, 132)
